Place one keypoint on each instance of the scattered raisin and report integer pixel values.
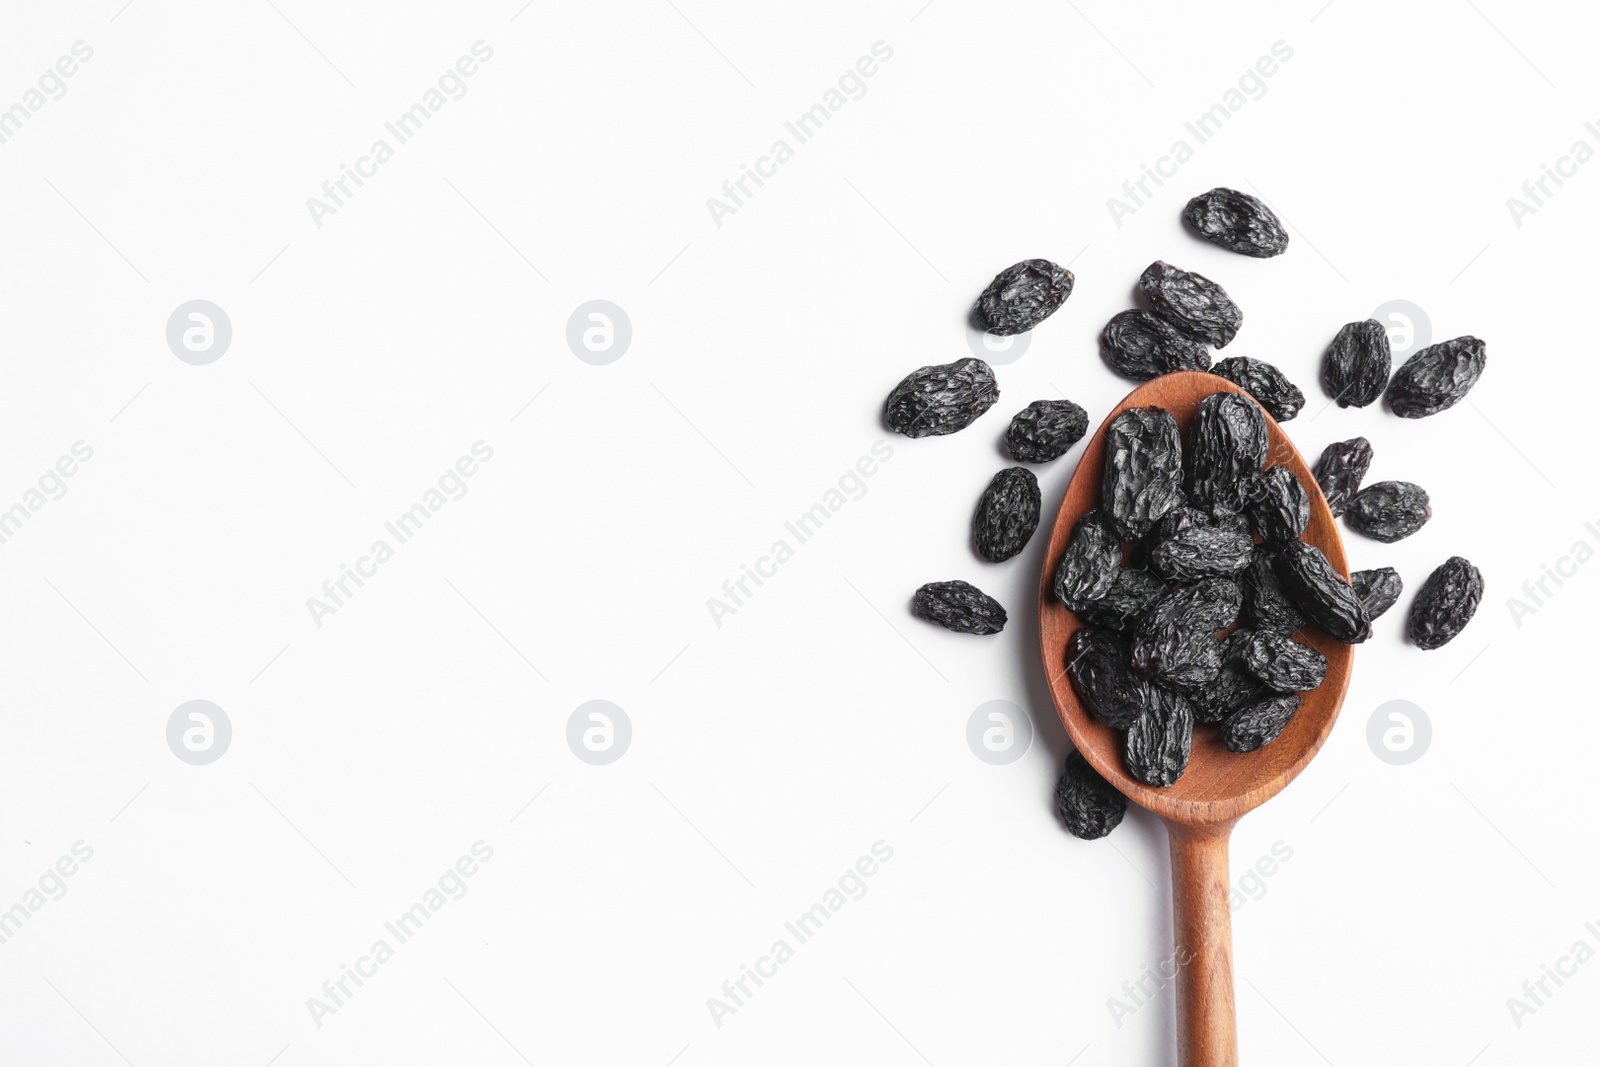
(1091, 561)
(1284, 665)
(1089, 805)
(1260, 723)
(1046, 430)
(1388, 511)
(1446, 603)
(1277, 504)
(1140, 346)
(1156, 750)
(1007, 515)
(1097, 662)
(1022, 296)
(941, 399)
(1143, 473)
(958, 606)
(1339, 472)
(1355, 368)
(1197, 306)
(1227, 444)
(1238, 222)
(1378, 589)
(1281, 398)
(1436, 378)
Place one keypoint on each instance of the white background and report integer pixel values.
(771, 752)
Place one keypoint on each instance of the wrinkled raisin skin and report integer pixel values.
(1339, 471)
(1176, 643)
(1283, 664)
(960, 607)
(1227, 445)
(1046, 430)
(1355, 369)
(1138, 345)
(1143, 473)
(1126, 603)
(1281, 398)
(1156, 749)
(1278, 505)
(1389, 511)
(1089, 806)
(941, 399)
(1022, 296)
(1437, 378)
(1446, 603)
(1258, 724)
(1097, 662)
(1266, 605)
(1007, 515)
(1238, 222)
(1089, 565)
(1321, 594)
(1378, 589)
(1196, 306)
(1202, 552)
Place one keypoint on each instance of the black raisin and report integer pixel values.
(1388, 511)
(1143, 473)
(1007, 515)
(1339, 472)
(1091, 561)
(941, 399)
(1321, 594)
(1156, 750)
(1227, 444)
(1198, 307)
(1230, 690)
(1281, 398)
(1045, 430)
(1238, 222)
(1436, 378)
(1140, 346)
(1202, 552)
(1260, 723)
(1283, 664)
(1177, 641)
(1126, 603)
(1277, 505)
(1088, 804)
(1097, 662)
(958, 606)
(1378, 589)
(1165, 528)
(1266, 605)
(1355, 368)
(1022, 296)
(1446, 603)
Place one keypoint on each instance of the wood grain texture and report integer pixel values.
(1218, 786)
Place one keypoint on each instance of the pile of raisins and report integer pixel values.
(1190, 577)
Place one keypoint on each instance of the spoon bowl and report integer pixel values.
(1218, 786)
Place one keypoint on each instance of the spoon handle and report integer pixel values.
(1203, 934)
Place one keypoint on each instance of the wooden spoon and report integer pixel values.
(1219, 786)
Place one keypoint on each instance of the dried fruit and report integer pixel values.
(1339, 472)
(1378, 589)
(1238, 222)
(1046, 430)
(1446, 603)
(1277, 505)
(1131, 596)
(1231, 689)
(1388, 511)
(1227, 444)
(1201, 552)
(1355, 368)
(1091, 561)
(1143, 472)
(1321, 594)
(1177, 642)
(1283, 664)
(958, 606)
(1097, 662)
(1436, 378)
(1022, 296)
(1266, 605)
(1156, 750)
(1140, 346)
(936, 400)
(1007, 515)
(1088, 804)
(1281, 398)
(1197, 306)
(1260, 723)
